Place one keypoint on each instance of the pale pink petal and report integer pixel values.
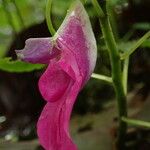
(38, 50)
(76, 34)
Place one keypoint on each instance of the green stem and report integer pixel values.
(48, 17)
(125, 74)
(102, 77)
(113, 21)
(141, 40)
(136, 122)
(116, 77)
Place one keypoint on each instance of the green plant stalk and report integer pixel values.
(117, 79)
(48, 17)
(113, 20)
(102, 77)
(125, 74)
(136, 122)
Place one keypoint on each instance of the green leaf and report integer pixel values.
(17, 66)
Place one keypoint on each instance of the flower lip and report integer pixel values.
(38, 50)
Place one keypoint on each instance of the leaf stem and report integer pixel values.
(48, 17)
(102, 77)
(141, 40)
(136, 122)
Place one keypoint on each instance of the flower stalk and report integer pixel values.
(48, 17)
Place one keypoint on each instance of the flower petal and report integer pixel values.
(56, 79)
(76, 34)
(38, 50)
(59, 85)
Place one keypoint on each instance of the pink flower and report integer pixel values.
(71, 56)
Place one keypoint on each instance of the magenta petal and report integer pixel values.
(56, 79)
(76, 34)
(53, 83)
(53, 124)
(38, 50)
